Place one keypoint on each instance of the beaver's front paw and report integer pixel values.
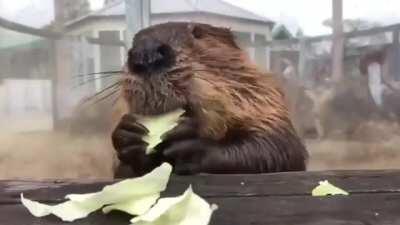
(187, 128)
(191, 156)
(127, 139)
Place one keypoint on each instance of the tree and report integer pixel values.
(75, 9)
(300, 33)
(280, 32)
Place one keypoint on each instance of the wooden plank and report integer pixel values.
(358, 33)
(18, 215)
(28, 30)
(278, 184)
(301, 210)
(279, 199)
(98, 41)
(52, 35)
(362, 209)
(328, 37)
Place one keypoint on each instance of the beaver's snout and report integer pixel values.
(150, 56)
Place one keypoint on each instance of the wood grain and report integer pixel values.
(279, 199)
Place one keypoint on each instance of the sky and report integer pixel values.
(310, 14)
(307, 14)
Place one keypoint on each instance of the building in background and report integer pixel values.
(25, 83)
(28, 63)
(109, 24)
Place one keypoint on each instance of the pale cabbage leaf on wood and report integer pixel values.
(134, 196)
(187, 209)
(325, 188)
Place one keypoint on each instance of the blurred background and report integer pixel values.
(339, 61)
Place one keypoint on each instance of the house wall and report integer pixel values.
(30, 108)
(247, 32)
(102, 28)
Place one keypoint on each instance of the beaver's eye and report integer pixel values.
(197, 32)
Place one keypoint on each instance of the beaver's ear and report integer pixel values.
(197, 31)
(224, 35)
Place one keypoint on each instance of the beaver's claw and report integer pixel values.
(186, 149)
(127, 139)
(191, 156)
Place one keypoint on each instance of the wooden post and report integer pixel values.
(302, 60)
(268, 58)
(97, 66)
(56, 60)
(252, 49)
(337, 41)
(395, 68)
(137, 17)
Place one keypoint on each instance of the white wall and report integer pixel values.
(26, 105)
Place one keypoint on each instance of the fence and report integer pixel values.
(67, 60)
(51, 70)
(311, 60)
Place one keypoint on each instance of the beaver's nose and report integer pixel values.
(150, 56)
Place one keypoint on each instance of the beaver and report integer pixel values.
(235, 119)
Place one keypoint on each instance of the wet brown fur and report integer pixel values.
(224, 89)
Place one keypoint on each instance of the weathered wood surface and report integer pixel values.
(278, 199)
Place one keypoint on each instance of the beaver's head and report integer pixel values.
(164, 59)
(200, 68)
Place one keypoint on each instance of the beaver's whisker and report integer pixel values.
(107, 96)
(115, 101)
(115, 73)
(94, 101)
(112, 87)
(91, 80)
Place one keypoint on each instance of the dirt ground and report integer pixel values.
(53, 156)
(347, 155)
(47, 155)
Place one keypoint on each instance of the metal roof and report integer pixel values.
(15, 39)
(218, 7)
